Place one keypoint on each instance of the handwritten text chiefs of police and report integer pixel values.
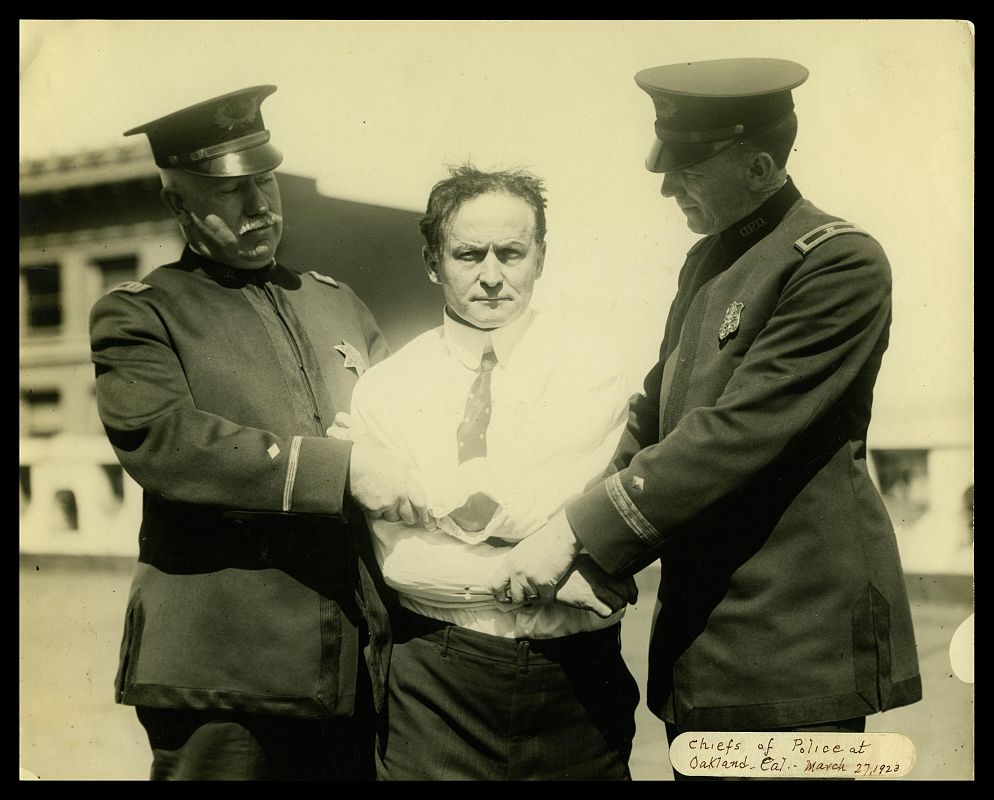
(793, 755)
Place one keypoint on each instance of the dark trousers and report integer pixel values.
(235, 746)
(468, 706)
(855, 725)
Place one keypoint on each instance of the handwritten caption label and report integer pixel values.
(746, 754)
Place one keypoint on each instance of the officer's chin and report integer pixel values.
(703, 227)
(255, 254)
(252, 263)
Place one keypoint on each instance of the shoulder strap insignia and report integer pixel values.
(131, 287)
(323, 278)
(823, 233)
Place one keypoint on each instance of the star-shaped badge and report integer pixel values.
(353, 358)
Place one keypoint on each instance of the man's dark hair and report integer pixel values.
(777, 140)
(466, 182)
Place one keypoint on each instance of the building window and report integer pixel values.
(968, 510)
(43, 284)
(116, 270)
(115, 476)
(24, 474)
(43, 411)
(65, 503)
(24, 498)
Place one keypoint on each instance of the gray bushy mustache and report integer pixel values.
(260, 222)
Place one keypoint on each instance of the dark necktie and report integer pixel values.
(472, 432)
(472, 443)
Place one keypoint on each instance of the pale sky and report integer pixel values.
(374, 111)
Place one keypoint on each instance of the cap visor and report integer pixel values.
(670, 156)
(251, 161)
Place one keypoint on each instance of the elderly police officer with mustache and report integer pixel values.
(216, 378)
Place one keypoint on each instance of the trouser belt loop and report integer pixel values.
(524, 648)
(445, 641)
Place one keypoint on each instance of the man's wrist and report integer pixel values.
(560, 528)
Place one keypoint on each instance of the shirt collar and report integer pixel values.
(468, 344)
(751, 229)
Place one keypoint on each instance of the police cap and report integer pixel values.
(702, 103)
(221, 137)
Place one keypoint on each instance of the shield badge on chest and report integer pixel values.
(733, 316)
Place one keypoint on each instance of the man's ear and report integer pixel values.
(431, 264)
(174, 202)
(763, 171)
(541, 260)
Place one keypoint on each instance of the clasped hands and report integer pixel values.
(548, 566)
(545, 567)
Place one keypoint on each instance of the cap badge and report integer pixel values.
(353, 358)
(236, 113)
(665, 108)
(733, 316)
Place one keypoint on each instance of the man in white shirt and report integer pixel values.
(502, 415)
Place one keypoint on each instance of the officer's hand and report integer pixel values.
(535, 566)
(589, 587)
(218, 241)
(217, 238)
(348, 429)
(385, 488)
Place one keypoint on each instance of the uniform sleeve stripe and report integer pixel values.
(291, 471)
(629, 512)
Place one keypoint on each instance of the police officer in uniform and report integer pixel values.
(216, 378)
(782, 603)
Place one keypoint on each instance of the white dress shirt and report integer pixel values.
(559, 401)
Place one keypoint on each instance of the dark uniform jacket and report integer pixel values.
(215, 387)
(743, 469)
